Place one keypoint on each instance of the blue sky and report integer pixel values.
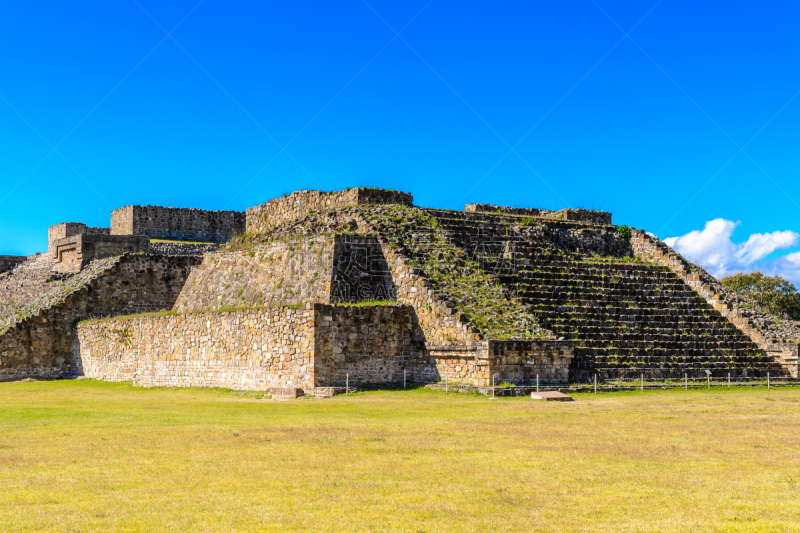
(690, 118)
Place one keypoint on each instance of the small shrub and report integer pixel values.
(624, 231)
(773, 294)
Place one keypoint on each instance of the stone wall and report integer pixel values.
(506, 210)
(517, 362)
(579, 215)
(314, 347)
(182, 248)
(257, 349)
(367, 345)
(177, 223)
(67, 229)
(297, 270)
(74, 253)
(40, 344)
(522, 361)
(262, 218)
(8, 262)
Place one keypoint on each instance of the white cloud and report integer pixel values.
(713, 248)
(787, 266)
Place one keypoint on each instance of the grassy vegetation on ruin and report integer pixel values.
(92, 456)
(181, 241)
(452, 272)
(230, 309)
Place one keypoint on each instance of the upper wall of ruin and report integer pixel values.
(578, 215)
(262, 218)
(177, 223)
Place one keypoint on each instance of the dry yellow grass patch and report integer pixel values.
(91, 456)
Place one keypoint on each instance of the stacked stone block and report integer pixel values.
(493, 362)
(367, 345)
(256, 349)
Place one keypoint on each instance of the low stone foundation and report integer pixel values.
(316, 346)
(255, 349)
(517, 362)
(788, 356)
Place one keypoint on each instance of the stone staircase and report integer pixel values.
(32, 287)
(625, 317)
(22, 285)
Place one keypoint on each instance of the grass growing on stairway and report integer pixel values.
(476, 293)
(91, 456)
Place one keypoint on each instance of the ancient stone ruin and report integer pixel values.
(317, 290)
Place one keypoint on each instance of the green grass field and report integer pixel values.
(91, 456)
